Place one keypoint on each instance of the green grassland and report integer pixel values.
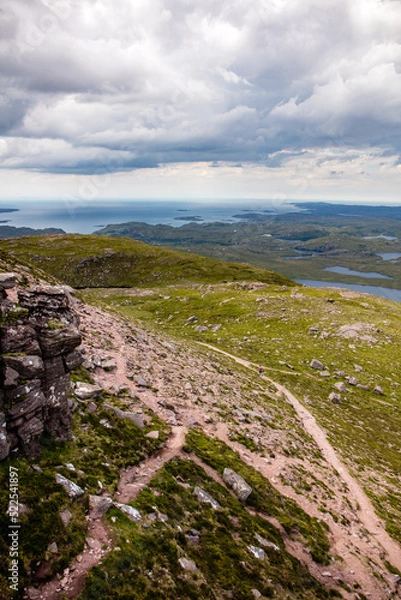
(96, 261)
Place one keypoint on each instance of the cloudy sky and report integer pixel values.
(275, 99)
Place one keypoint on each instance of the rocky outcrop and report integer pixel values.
(38, 348)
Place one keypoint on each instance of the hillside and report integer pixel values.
(95, 261)
(316, 437)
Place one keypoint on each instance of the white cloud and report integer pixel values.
(251, 81)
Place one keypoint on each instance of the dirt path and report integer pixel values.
(181, 401)
(367, 515)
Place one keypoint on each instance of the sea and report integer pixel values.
(75, 216)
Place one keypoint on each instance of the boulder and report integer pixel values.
(73, 490)
(240, 487)
(8, 280)
(65, 516)
(340, 386)
(187, 564)
(335, 398)
(352, 381)
(132, 513)
(85, 391)
(191, 320)
(316, 364)
(205, 497)
(99, 506)
(140, 381)
(44, 301)
(378, 390)
(134, 417)
(257, 552)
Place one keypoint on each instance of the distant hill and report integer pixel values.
(8, 231)
(98, 261)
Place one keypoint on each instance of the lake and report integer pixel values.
(389, 293)
(345, 271)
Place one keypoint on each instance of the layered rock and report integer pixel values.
(39, 337)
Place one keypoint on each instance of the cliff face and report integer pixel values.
(39, 337)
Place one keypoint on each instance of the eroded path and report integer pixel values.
(367, 515)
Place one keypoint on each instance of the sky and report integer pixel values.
(191, 99)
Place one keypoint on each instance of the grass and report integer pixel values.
(97, 455)
(146, 563)
(97, 261)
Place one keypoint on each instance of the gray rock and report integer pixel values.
(33, 594)
(85, 391)
(256, 593)
(99, 506)
(65, 516)
(205, 497)
(316, 364)
(73, 490)
(360, 386)
(140, 381)
(352, 381)
(324, 374)
(134, 417)
(153, 435)
(53, 548)
(340, 386)
(132, 513)
(91, 406)
(257, 552)
(240, 487)
(27, 366)
(191, 320)
(266, 543)
(335, 398)
(73, 360)
(108, 365)
(378, 390)
(8, 280)
(187, 564)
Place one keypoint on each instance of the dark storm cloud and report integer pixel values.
(87, 82)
